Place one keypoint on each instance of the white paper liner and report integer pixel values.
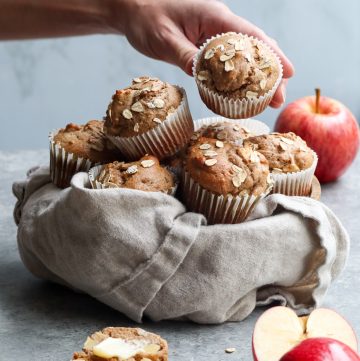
(295, 183)
(256, 127)
(218, 209)
(63, 164)
(163, 140)
(95, 184)
(235, 108)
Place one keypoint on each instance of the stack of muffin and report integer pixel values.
(149, 142)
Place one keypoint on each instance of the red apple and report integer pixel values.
(328, 127)
(279, 330)
(321, 349)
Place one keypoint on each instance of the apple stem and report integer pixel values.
(317, 100)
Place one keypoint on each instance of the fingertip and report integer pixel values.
(280, 95)
(288, 69)
(275, 105)
(188, 67)
(181, 52)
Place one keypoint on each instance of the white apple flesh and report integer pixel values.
(279, 330)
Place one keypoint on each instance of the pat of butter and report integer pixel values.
(117, 347)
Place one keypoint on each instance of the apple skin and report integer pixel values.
(333, 133)
(321, 349)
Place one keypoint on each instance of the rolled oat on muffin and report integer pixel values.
(292, 163)
(223, 131)
(146, 175)
(237, 75)
(233, 130)
(149, 117)
(224, 181)
(122, 343)
(76, 148)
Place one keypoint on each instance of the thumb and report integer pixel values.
(181, 52)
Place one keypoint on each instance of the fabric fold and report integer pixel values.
(144, 255)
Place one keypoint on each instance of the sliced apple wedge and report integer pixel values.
(279, 329)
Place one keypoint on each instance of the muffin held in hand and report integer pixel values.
(146, 175)
(237, 75)
(224, 181)
(291, 161)
(77, 148)
(150, 116)
(122, 343)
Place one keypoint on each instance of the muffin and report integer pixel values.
(291, 162)
(224, 181)
(175, 163)
(77, 148)
(121, 343)
(145, 175)
(236, 75)
(149, 117)
(223, 131)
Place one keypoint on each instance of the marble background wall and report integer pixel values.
(45, 84)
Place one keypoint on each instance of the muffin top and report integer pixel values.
(141, 107)
(285, 152)
(223, 131)
(237, 66)
(87, 141)
(225, 168)
(146, 175)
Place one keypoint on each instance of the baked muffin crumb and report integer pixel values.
(285, 152)
(223, 131)
(87, 141)
(237, 66)
(146, 174)
(140, 107)
(225, 168)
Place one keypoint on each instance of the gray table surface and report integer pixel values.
(43, 321)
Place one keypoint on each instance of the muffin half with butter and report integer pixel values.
(237, 75)
(77, 148)
(123, 343)
(224, 181)
(149, 117)
(292, 163)
(145, 175)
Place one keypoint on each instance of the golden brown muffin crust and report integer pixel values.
(223, 131)
(141, 107)
(146, 175)
(87, 141)
(285, 152)
(225, 168)
(237, 66)
(126, 334)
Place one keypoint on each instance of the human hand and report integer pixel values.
(171, 31)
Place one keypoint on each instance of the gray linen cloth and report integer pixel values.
(144, 255)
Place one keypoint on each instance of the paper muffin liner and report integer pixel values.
(295, 183)
(94, 172)
(256, 127)
(218, 209)
(163, 140)
(63, 164)
(235, 108)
